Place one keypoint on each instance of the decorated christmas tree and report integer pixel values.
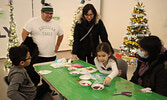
(74, 22)
(13, 40)
(138, 29)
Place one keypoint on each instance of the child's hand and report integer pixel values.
(107, 80)
(119, 72)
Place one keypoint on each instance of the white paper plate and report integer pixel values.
(85, 83)
(85, 77)
(87, 70)
(91, 69)
(44, 72)
(83, 71)
(72, 68)
(74, 73)
(97, 86)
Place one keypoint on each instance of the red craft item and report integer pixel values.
(76, 65)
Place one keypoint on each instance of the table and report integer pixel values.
(69, 87)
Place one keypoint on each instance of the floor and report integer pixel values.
(4, 71)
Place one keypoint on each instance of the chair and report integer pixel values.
(123, 66)
(6, 80)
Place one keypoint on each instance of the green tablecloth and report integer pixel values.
(69, 86)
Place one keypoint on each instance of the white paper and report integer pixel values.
(43, 72)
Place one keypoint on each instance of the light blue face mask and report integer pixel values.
(141, 53)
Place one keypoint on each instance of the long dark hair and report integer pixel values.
(151, 44)
(85, 10)
(105, 47)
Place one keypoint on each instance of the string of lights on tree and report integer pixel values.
(71, 39)
(138, 29)
(13, 39)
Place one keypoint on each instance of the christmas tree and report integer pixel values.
(74, 22)
(13, 40)
(138, 29)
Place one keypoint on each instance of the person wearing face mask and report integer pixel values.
(152, 65)
(88, 29)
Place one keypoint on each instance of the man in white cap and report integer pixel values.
(43, 30)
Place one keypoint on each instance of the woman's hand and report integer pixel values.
(107, 80)
(74, 57)
(119, 72)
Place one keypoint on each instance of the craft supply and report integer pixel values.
(43, 72)
(85, 77)
(97, 86)
(85, 83)
(72, 68)
(106, 85)
(77, 65)
(146, 90)
(74, 73)
(87, 70)
(127, 93)
(99, 79)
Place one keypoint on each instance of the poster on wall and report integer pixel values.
(2, 13)
(2, 16)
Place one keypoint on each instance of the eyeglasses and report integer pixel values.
(89, 14)
(108, 69)
(49, 13)
(28, 58)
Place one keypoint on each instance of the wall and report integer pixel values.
(23, 12)
(65, 10)
(116, 14)
(3, 22)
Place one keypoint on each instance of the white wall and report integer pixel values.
(23, 12)
(116, 14)
(4, 20)
(65, 10)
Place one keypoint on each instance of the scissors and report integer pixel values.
(123, 93)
